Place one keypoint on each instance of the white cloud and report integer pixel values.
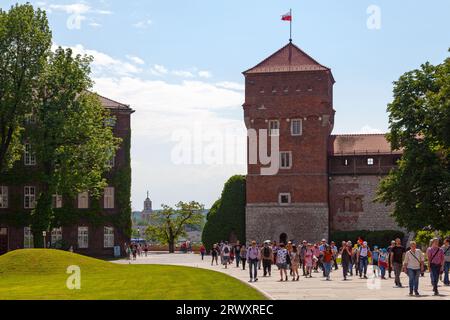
(143, 24)
(204, 74)
(183, 73)
(369, 130)
(135, 59)
(159, 70)
(231, 85)
(75, 8)
(95, 24)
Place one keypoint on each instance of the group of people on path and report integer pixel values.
(323, 257)
(134, 250)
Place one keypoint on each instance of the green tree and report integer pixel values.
(419, 118)
(168, 224)
(71, 138)
(25, 41)
(227, 215)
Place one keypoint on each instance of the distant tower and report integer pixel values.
(147, 209)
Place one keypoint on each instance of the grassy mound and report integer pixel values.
(42, 274)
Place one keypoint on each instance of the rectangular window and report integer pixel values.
(284, 198)
(83, 237)
(57, 201)
(108, 198)
(274, 128)
(83, 200)
(346, 162)
(29, 155)
(111, 161)
(108, 237)
(3, 197)
(296, 127)
(56, 235)
(370, 161)
(29, 197)
(285, 160)
(28, 241)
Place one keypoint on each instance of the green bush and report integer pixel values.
(380, 238)
(227, 215)
(423, 237)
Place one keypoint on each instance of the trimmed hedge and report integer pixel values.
(380, 238)
(227, 215)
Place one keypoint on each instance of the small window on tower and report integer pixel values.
(274, 128)
(274, 90)
(261, 90)
(346, 162)
(285, 160)
(297, 89)
(286, 89)
(370, 161)
(284, 198)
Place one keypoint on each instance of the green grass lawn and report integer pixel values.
(41, 274)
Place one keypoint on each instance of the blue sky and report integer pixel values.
(179, 63)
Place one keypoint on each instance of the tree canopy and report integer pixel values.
(419, 118)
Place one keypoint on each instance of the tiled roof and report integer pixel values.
(111, 104)
(359, 144)
(288, 59)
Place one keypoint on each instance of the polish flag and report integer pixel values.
(286, 17)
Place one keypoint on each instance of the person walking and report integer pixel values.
(375, 258)
(397, 253)
(215, 254)
(295, 262)
(446, 249)
(303, 249)
(243, 254)
(253, 256)
(383, 263)
(334, 249)
(355, 259)
(267, 258)
(237, 253)
(363, 257)
(346, 257)
(274, 251)
(226, 251)
(389, 250)
(309, 254)
(282, 262)
(435, 263)
(413, 265)
(327, 262)
(202, 251)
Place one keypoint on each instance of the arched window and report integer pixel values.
(359, 205)
(346, 204)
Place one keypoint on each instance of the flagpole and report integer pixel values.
(290, 26)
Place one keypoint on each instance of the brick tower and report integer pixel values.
(291, 95)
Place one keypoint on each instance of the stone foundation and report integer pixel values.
(299, 221)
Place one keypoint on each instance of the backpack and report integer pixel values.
(266, 252)
(226, 250)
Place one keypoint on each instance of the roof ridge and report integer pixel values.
(359, 134)
(123, 104)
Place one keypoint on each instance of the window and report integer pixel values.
(274, 127)
(284, 198)
(110, 121)
(108, 237)
(108, 198)
(370, 161)
(285, 160)
(274, 90)
(56, 235)
(83, 237)
(28, 241)
(29, 156)
(29, 197)
(296, 127)
(83, 200)
(346, 204)
(286, 89)
(111, 161)
(261, 90)
(396, 160)
(57, 201)
(346, 162)
(3, 197)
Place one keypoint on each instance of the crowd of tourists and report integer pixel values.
(134, 250)
(292, 259)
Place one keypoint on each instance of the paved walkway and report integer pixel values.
(311, 288)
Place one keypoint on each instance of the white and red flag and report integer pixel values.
(287, 16)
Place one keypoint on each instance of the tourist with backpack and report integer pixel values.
(383, 262)
(253, 256)
(435, 263)
(363, 257)
(346, 257)
(243, 254)
(226, 250)
(412, 266)
(267, 258)
(375, 258)
(237, 253)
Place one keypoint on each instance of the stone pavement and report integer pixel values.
(310, 288)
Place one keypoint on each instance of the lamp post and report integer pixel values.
(43, 235)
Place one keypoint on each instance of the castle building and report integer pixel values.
(19, 190)
(324, 182)
(146, 213)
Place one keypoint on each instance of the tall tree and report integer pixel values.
(71, 138)
(419, 118)
(168, 225)
(25, 41)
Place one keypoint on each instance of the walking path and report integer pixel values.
(311, 288)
